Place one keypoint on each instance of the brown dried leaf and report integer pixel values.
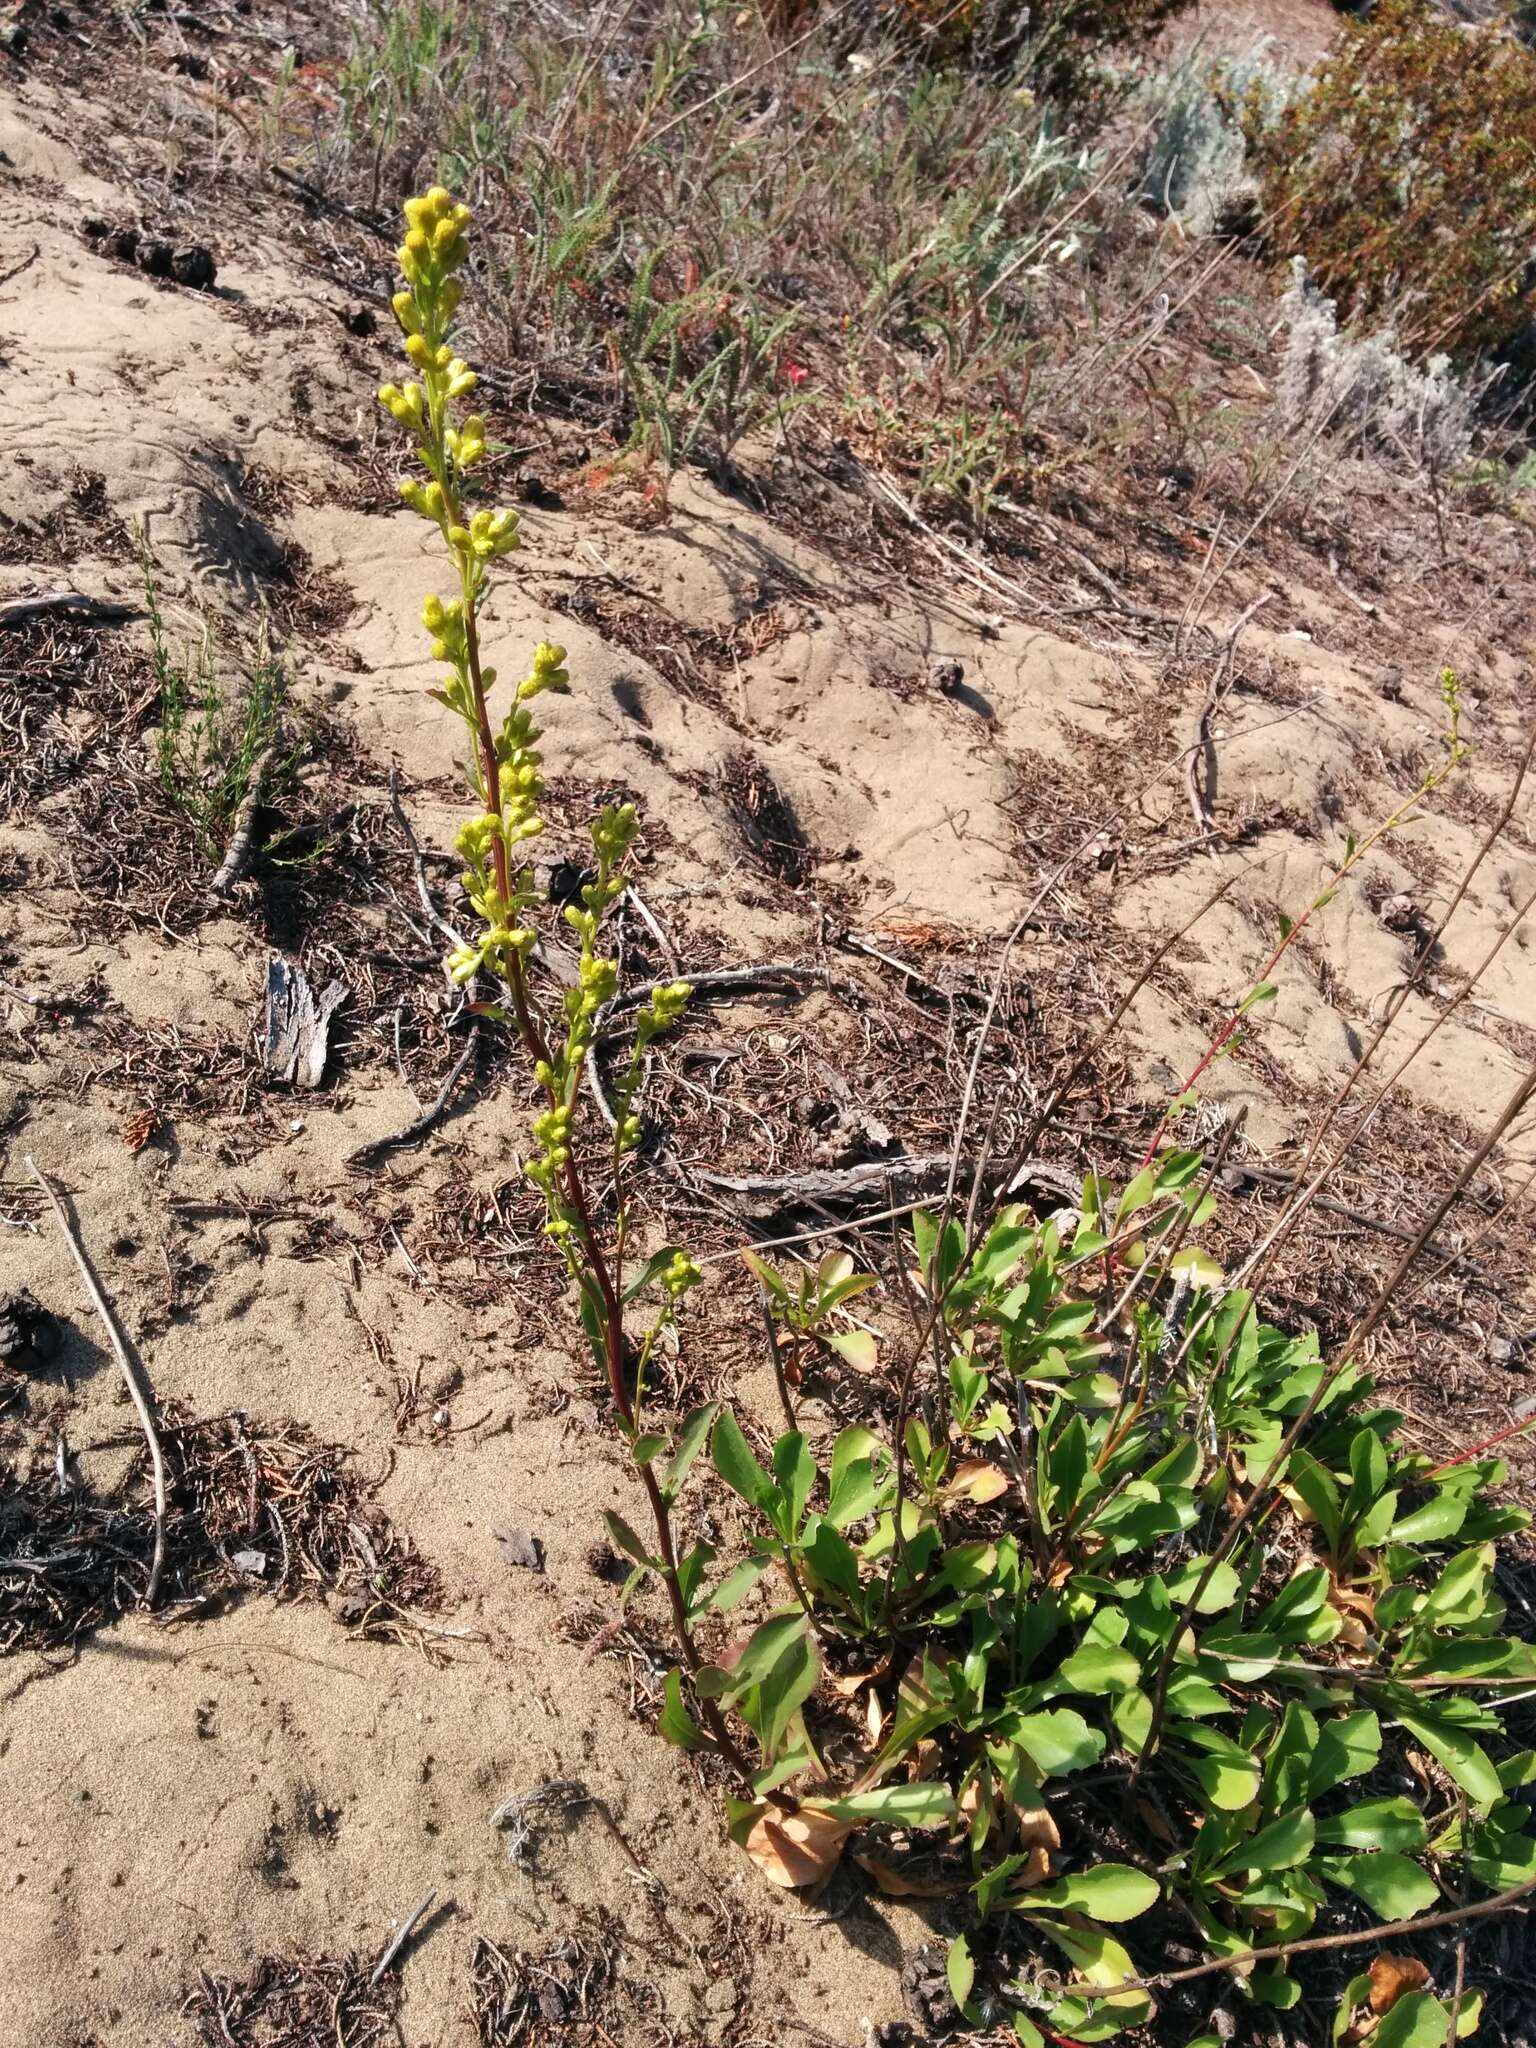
(794, 1850)
(895, 1886)
(1036, 1828)
(1037, 1869)
(1391, 1976)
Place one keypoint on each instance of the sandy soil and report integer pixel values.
(195, 1791)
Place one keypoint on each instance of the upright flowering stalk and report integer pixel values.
(506, 779)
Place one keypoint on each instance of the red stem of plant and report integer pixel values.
(1477, 1450)
(613, 1309)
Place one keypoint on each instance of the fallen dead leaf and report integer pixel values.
(1391, 1976)
(521, 1547)
(896, 1886)
(974, 1479)
(794, 1850)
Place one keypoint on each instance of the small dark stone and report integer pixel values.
(359, 319)
(946, 674)
(123, 243)
(1390, 685)
(13, 39)
(190, 64)
(95, 230)
(154, 257)
(61, 18)
(29, 1334)
(193, 265)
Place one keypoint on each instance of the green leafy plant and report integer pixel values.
(211, 744)
(1114, 1539)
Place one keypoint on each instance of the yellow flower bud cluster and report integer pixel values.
(681, 1275)
(436, 240)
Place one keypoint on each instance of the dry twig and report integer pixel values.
(141, 1392)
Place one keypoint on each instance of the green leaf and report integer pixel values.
(1026, 2031)
(960, 1969)
(1417, 2020)
(921, 1804)
(1348, 1746)
(691, 1439)
(1097, 1668)
(1196, 1266)
(1464, 1758)
(1283, 1844)
(1460, 1594)
(764, 1647)
(1096, 1956)
(676, 1724)
(1109, 1892)
(1440, 1516)
(737, 1584)
(1057, 1741)
(831, 1558)
(1317, 1489)
(1390, 1885)
(795, 1470)
(645, 1450)
(627, 1541)
(857, 1347)
(1223, 1589)
(1375, 1824)
(736, 1465)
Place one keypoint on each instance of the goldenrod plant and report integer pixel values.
(1116, 1537)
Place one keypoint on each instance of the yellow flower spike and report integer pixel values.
(407, 312)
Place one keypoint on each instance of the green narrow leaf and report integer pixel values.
(1464, 1758)
(1375, 1824)
(1109, 1892)
(1283, 1844)
(736, 1465)
(627, 1541)
(691, 1439)
(960, 1969)
(676, 1724)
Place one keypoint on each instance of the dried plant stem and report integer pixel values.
(1308, 1191)
(140, 1391)
(1245, 1958)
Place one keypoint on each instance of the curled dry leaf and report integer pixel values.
(1391, 1976)
(794, 1850)
(895, 1886)
(1036, 1828)
(854, 1682)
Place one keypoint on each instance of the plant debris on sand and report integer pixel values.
(252, 1509)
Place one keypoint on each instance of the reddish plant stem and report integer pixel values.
(532, 1035)
(1488, 1443)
